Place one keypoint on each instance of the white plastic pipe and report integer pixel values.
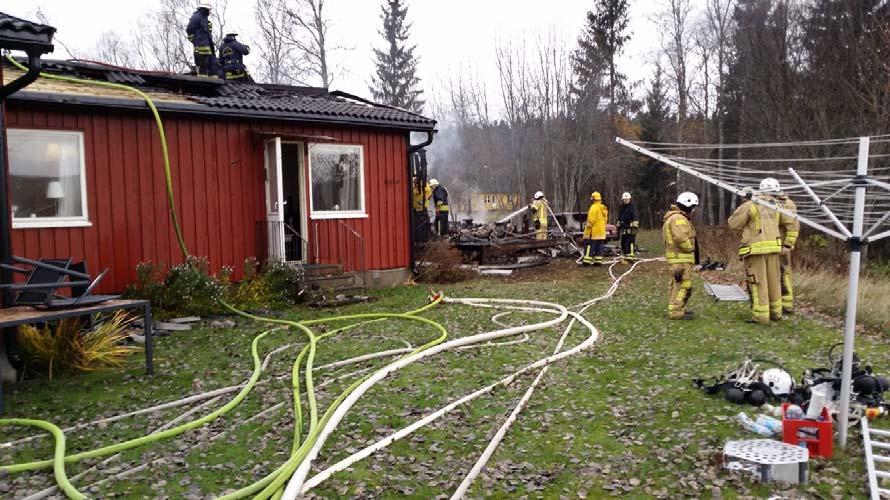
(295, 484)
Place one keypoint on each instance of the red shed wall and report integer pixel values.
(219, 187)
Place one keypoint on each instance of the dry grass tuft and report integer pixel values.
(827, 291)
(440, 262)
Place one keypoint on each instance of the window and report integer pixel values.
(47, 178)
(336, 181)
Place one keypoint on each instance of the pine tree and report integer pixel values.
(603, 39)
(396, 82)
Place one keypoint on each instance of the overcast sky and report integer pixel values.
(450, 34)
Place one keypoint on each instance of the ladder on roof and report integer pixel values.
(877, 458)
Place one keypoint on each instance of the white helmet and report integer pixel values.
(539, 195)
(625, 196)
(204, 5)
(770, 185)
(687, 200)
(434, 183)
(778, 381)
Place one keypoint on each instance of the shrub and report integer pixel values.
(440, 262)
(66, 347)
(186, 289)
(274, 285)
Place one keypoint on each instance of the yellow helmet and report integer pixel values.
(596, 196)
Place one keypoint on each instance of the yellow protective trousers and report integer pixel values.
(680, 290)
(541, 232)
(764, 286)
(787, 284)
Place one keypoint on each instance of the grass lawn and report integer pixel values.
(621, 419)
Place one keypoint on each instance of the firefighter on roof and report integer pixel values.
(680, 252)
(760, 250)
(628, 224)
(231, 57)
(539, 211)
(200, 34)
(595, 231)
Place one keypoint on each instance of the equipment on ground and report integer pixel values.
(778, 380)
(876, 444)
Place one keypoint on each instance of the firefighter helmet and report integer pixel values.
(596, 196)
(625, 196)
(539, 195)
(434, 182)
(778, 381)
(204, 5)
(770, 185)
(687, 200)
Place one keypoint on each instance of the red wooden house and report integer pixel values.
(290, 173)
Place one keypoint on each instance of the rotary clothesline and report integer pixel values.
(850, 206)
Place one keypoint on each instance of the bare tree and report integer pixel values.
(276, 53)
(718, 22)
(113, 48)
(309, 39)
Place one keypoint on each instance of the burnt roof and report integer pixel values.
(19, 34)
(210, 96)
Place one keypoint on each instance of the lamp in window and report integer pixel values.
(54, 192)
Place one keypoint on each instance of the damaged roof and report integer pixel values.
(19, 34)
(210, 96)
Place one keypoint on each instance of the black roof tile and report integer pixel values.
(250, 99)
(20, 34)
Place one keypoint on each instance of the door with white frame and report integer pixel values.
(274, 200)
(285, 201)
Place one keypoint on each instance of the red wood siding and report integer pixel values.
(219, 190)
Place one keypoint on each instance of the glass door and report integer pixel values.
(274, 199)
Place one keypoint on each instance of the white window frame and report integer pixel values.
(50, 222)
(338, 214)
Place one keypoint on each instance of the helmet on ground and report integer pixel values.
(770, 185)
(539, 195)
(687, 200)
(434, 182)
(778, 381)
(625, 196)
(596, 196)
(204, 5)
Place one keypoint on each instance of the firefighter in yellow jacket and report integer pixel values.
(789, 229)
(539, 211)
(595, 231)
(760, 250)
(679, 247)
(422, 195)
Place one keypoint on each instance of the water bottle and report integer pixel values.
(770, 423)
(753, 426)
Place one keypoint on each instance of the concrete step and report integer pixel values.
(321, 270)
(332, 282)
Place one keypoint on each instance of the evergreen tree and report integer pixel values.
(654, 177)
(600, 44)
(396, 82)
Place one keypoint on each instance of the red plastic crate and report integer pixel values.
(821, 445)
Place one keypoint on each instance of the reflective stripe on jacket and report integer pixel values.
(540, 211)
(596, 221)
(789, 227)
(679, 237)
(231, 56)
(760, 229)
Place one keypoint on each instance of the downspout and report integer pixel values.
(5, 218)
(430, 134)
